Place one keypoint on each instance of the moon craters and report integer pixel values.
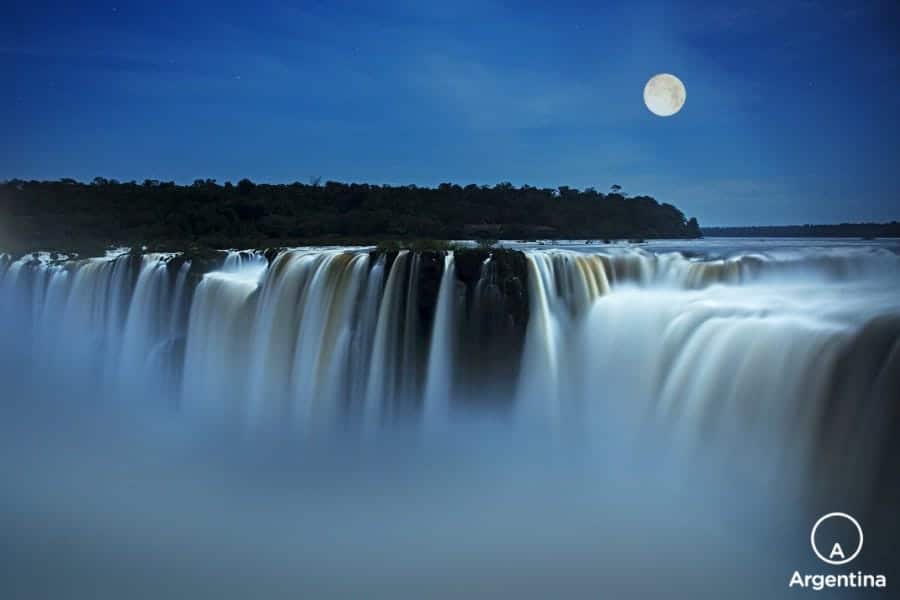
(664, 95)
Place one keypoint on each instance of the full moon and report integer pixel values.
(664, 95)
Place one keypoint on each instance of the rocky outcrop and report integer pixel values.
(203, 260)
(431, 269)
(502, 276)
(492, 331)
(494, 279)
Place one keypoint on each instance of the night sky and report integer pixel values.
(792, 114)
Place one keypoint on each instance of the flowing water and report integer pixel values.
(293, 413)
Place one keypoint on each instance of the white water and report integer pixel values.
(729, 373)
(439, 385)
(743, 347)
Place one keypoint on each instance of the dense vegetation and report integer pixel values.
(66, 214)
(862, 230)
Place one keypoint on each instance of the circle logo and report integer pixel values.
(836, 549)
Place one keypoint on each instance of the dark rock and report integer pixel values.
(271, 254)
(389, 258)
(203, 260)
(468, 263)
(492, 334)
(507, 272)
(431, 271)
(863, 396)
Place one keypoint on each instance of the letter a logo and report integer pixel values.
(837, 556)
(837, 551)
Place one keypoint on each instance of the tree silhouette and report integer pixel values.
(165, 215)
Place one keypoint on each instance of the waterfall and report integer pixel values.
(439, 384)
(363, 335)
(382, 382)
(152, 330)
(243, 260)
(217, 345)
(271, 417)
(717, 351)
(269, 346)
(411, 351)
(539, 380)
(338, 354)
(749, 350)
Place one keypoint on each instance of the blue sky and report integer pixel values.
(792, 116)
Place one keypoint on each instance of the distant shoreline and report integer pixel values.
(841, 230)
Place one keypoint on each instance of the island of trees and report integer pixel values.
(68, 214)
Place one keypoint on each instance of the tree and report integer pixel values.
(245, 187)
(693, 228)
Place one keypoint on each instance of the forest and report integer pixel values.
(68, 214)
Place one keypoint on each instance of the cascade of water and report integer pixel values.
(217, 346)
(243, 260)
(539, 376)
(382, 383)
(275, 336)
(745, 367)
(409, 391)
(321, 307)
(148, 335)
(337, 358)
(79, 315)
(439, 382)
(640, 268)
(291, 341)
(744, 350)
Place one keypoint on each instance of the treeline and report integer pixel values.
(67, 213)
(861, 230)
